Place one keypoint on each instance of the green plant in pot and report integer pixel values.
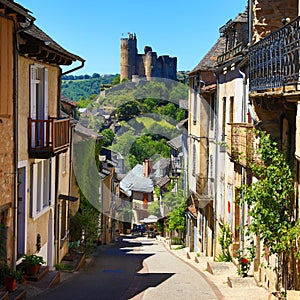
(10, 278)
(32, 263)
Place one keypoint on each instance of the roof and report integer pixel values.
(163, 181)
(161, 168)
(14, 7)
(135, 181)
(86, 132)
(176, 143)
(39, 44)
(209, 60)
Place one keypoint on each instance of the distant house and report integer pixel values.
(139, 187)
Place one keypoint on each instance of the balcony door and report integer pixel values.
(39, 104)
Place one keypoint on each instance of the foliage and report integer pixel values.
(271, 200)
(85, 223)
(225, 240)
(176, 241)
(271, 197)
(176, 219)
(154, 208)
(33, 260)
(6, 271)
(109, 136)
(84, 86)
(116, 80)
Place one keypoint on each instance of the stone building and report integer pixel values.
(146, 65)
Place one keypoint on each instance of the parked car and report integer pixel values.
(138, 230)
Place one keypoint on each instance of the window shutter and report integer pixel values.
(33, 191)
(46, 113)
(33, 71)
(52, 181)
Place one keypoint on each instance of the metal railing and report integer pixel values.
(274, 61)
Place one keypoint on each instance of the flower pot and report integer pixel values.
(10, 283)
(32, 270)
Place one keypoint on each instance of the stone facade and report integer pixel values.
(144, 65)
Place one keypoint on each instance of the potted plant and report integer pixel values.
(10, 278)
(32, 263)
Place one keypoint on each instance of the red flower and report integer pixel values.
(244, 260)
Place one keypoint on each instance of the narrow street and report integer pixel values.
(133, 268)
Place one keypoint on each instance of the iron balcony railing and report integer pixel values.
(274, 61)
(47, 137)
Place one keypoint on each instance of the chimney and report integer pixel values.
(147, 168)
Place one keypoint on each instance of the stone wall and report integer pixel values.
(268, 14)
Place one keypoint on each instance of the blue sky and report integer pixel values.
(92, 28)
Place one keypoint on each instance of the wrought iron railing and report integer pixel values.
(274, 61)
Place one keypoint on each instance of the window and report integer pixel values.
(195, 90)
(224, 119)
(63, 228)
(63, 164)
(194, 159)
(42, 186)
(231, 110)
(39, 101)
(212, 111)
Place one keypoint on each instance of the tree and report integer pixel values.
(109, 136)
(271, 201)
(116, 80)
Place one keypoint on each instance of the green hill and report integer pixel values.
(83, 86)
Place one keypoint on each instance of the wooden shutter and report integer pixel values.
(6, 70)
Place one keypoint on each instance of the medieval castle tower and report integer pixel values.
(144, 65)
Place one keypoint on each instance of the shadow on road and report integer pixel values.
(142, 279)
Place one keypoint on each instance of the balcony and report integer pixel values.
(47, 138)
(238, 49)
(240, 141)
(205, 189)
(274, 61)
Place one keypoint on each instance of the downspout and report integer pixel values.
(243, 120)
(217, 151)
(15, 137)
(56, 208)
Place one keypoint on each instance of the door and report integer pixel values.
(21, 221)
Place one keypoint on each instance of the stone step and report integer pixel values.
(218, 268)
(49, 279)
(41, 273)
(18, 294)
(239, 282)
(3, 295)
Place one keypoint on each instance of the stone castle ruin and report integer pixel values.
(134, 65)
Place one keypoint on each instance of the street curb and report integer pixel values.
(209, 282)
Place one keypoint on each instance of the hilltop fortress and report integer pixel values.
(147, 65)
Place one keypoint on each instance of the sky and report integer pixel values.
(92, 29)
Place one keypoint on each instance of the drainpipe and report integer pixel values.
(217, 150)
(15, 137)
(56, 208)
(243, 120)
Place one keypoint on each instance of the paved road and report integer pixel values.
(133, 268)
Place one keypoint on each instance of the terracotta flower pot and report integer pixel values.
(32, 270)
(10, 283)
